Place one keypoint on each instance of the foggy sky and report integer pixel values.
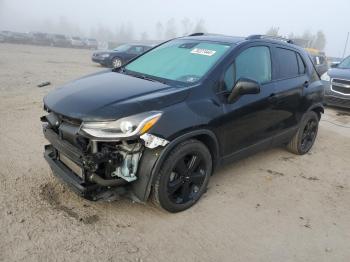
(230, 17)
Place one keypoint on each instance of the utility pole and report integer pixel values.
(346, 45)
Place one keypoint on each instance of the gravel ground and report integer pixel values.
(273, 206)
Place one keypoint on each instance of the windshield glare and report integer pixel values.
(185, 61)
(345, 63)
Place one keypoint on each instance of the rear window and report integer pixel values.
(288, 63)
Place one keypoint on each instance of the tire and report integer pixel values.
(114, 62)
(183, 177)
(306, 135)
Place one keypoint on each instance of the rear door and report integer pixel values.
(291, 79)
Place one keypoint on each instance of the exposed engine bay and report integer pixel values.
(106, 163)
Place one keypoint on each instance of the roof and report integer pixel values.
(216, 38)
(237, 39)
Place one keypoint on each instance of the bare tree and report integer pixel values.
(170, 30)
(187, 26)
(144, 36)
(159, 31)
(273, 31)
(200, 27)
(319, 41)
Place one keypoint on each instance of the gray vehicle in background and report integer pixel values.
(90, 43)
(76, 41)
(337, 79)
(59, 40)
(38, 38)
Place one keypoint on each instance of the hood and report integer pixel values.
(108, 95)
(339, 73)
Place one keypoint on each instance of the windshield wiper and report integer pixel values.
(145, 77)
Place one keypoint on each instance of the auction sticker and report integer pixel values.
(201, 51)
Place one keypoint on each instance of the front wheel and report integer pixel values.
(184, 177)
(305, 137)
(116, 62)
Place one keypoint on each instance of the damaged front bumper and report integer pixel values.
(100, 168)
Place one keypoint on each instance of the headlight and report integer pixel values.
(122, 128)
(104, 55)
(326, 77)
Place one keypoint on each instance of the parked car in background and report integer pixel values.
(337, 79)
(15, 37)
(76, 41)
(163, 123)
(20, 38)
(120, 55)
(59, 40)
(39, 38)
(332, 61)
(320, 60)
(90, 43)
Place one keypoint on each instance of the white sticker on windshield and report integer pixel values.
(201, 51)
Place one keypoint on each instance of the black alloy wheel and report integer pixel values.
(305, 137)
(309, 135)
(184, 176)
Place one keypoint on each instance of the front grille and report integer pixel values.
(341, 86)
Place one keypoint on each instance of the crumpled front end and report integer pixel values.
(98, 169)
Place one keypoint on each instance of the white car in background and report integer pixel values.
(76, 41)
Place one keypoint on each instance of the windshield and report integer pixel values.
(345, 64)
(122, 48)
(180, 60)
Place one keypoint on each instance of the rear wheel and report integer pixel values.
(305, 137)
(183, 177)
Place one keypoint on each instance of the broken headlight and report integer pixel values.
(122, 128)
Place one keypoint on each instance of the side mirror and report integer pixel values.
(334, 64)
(243, 87)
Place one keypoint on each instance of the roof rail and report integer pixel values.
(251, 37)
(196, 34)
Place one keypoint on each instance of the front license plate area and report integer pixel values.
(71, 165)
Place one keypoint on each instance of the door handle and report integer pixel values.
(272, 98)
(306, 84)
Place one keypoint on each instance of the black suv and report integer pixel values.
(163, 122)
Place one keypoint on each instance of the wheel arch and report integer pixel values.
(143, 189)
(318, 109)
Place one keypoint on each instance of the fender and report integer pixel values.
(318, 107)
(152, 161)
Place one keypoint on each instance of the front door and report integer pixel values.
(248, 121)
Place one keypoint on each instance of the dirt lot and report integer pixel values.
(273, 206)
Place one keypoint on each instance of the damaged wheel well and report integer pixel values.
(318, 110)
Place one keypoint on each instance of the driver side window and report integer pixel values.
(253, 63)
